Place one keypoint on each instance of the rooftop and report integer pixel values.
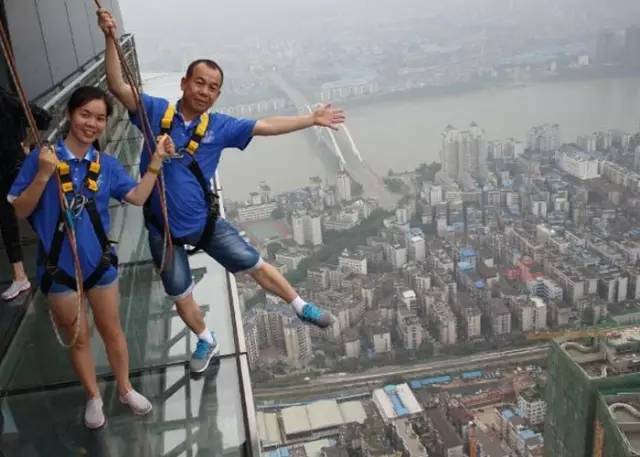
(625, 411)
(410, 439)
(613, 353)
(447, 433)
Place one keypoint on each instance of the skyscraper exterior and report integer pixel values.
(343, 187)
(632, 46)
(307, 228)
(464, 152)
(589, 381)
(544, 138)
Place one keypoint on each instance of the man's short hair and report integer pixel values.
(209, 63)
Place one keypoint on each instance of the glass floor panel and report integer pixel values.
(155, 333)
(191, 417)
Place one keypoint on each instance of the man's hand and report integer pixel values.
(107, 23)
(328, 116)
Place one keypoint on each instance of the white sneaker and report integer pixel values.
(93, 414)
(138, 403)
(15, 289)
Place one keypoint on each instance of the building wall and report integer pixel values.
(614, 442)
(382, 342)
(53, 38)
(571, 405)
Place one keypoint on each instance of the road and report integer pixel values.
(332, 383)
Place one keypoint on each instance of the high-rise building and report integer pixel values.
(297, 341)
(464, 152)
(396, 255)
(632, 46)
(472, 319)
(545, 288)
(352, 263)
(307, 228)
(589, 382)
(435, 195)
(410, 329)
(636, 159)
(417, 247)
(544, 138)
(343, 187)
(607, 47)
(532, 406)
(250, 326)
(265, 192)
(297, 222)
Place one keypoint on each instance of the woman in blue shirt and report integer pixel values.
(88, 178)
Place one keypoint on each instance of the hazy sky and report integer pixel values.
(222, 24)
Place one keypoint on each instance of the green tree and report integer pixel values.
(278, 213)
(273, 248)
(257, 299)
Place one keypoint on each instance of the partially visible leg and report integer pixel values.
(190, 313)
(11, 239)
(272, 280)
(64, 308)
(231, 250)
(178, 284)
(17, 268)
(104, 303)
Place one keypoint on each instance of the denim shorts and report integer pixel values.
(226, 247)
(109, 278)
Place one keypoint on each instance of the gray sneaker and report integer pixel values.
(138, 403)
(203, 354)
(15, 289)
(93, 414)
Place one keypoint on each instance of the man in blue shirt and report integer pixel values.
(202, 139)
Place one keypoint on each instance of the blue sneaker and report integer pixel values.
(316, 316)
(203, 354)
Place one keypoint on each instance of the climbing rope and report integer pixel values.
(11, 63)
(150, 145)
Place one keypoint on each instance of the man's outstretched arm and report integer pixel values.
(324, 116)
(117, 85)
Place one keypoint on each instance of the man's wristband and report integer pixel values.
(155, 171)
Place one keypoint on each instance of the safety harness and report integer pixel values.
(77, 201)
(211, 199)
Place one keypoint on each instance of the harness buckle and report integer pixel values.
(77, 204)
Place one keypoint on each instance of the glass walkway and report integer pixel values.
(41, 401)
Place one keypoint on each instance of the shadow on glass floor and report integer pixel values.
(190, 417)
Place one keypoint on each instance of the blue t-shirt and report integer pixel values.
(113, 182)
(186, 204)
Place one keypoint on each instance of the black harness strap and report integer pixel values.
(212, 199)
(54, 273)
(213, 212)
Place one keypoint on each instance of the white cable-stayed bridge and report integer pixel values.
(343, 146)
